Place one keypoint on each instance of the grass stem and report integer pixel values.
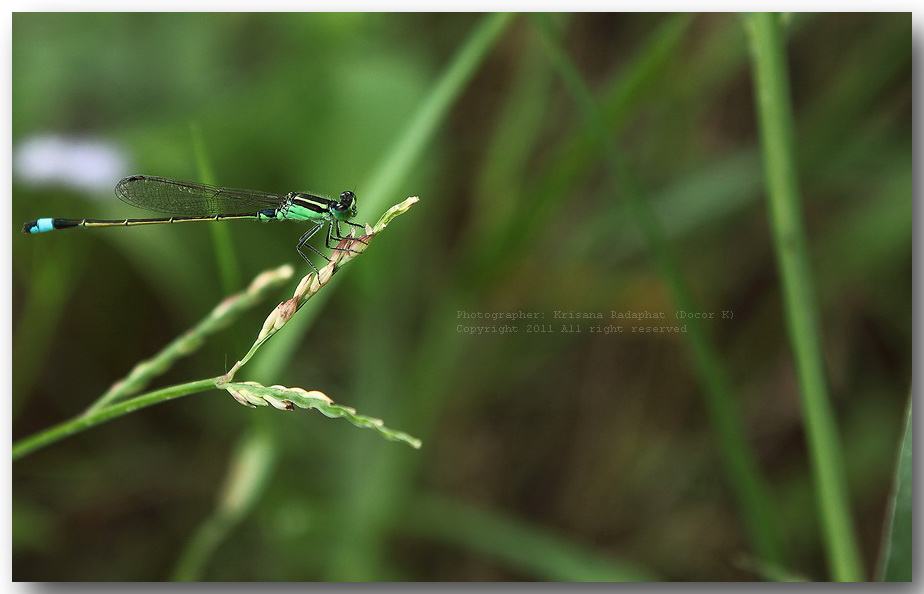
(744, 477)
(85, 421)
(776, 134)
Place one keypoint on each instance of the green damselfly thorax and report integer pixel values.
(192, 201)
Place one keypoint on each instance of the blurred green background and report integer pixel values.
(546, 456)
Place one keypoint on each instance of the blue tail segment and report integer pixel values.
(42, 225)
(38, 226)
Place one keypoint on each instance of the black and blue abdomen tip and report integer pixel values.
(42, 225)
(38, 226)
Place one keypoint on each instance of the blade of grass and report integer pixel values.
(898, 540)
(493, 255)
(506, 159)
(744, 478)
(229, 271)
(409, 147)
(359, 552)
(394, 167)
(776, 133)
(387, 486)
(724, 187)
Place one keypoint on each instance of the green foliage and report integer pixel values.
(546, 455)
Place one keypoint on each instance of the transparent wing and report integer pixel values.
(176, 197)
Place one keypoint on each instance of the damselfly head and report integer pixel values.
(346, 208)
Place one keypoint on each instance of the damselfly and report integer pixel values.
(192, 201)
